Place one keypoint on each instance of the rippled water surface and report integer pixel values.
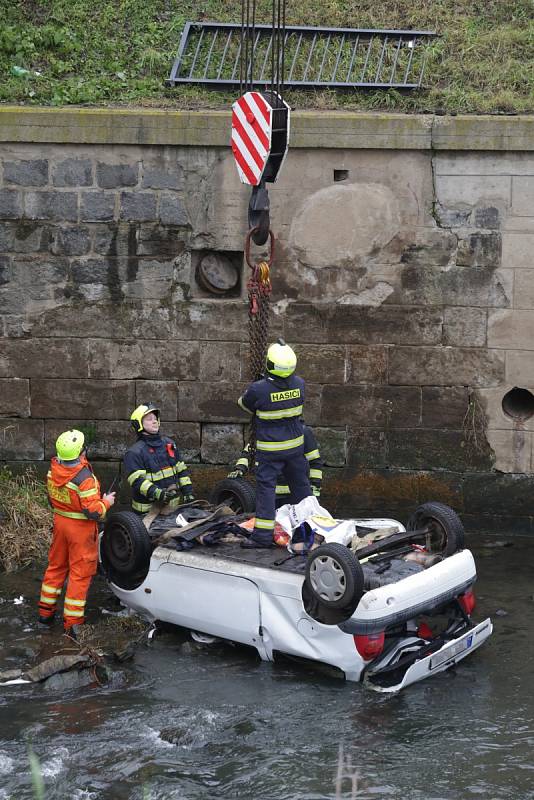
(187, 721)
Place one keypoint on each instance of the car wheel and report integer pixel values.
(126, 549)
(334, 577)
(320, 613)
(237, 493)
(446, 534)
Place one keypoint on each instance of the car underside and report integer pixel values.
(388, 615)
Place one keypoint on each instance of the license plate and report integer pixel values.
(451, 651)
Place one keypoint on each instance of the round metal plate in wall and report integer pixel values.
(217, 274)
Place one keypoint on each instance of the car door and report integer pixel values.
(206, 600)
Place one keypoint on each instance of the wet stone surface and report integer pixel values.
(185, 720)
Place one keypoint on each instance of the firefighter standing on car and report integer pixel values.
(282, 492)
(74, 494)
(277, 401)
(153, 465)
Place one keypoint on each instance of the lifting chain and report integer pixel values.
(259, 293)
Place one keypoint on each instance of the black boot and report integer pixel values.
(255, 544)
(73, 632)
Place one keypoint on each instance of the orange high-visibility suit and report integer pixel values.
(74, 494)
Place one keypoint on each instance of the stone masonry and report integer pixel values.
(407, 289)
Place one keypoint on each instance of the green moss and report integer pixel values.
(121, 52)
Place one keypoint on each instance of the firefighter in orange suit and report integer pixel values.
(74, 494)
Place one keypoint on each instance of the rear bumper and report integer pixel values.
(421, 593)
(449, 654)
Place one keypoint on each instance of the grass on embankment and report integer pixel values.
(25, 519)
(121, 51)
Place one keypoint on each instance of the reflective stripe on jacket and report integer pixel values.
(74, 491)
(278, 405)
(311, 451)
(153, 464)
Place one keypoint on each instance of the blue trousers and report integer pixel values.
(296, 470)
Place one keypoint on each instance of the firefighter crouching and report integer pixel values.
(74, 494)
(277, 401)
(153, 465)
(282, 492)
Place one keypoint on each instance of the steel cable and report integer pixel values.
(273, 48)
(248, 46)
(241, 47)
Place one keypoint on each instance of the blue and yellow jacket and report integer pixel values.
(277, 404)
(313, 456)
(153, 464)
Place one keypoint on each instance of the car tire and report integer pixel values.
(237, 493)
(447, 534)
(125, 549)
(334, 577)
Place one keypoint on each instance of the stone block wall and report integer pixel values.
(406, 289)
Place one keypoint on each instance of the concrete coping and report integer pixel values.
(309, 129)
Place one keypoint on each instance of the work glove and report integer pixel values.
(316, 491)
(187, 498)
(166, 495)
(236, 473)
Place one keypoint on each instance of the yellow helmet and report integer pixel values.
(281, 359)
(140, 412)
(69, 445)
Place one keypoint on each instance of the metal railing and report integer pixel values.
(209, 54)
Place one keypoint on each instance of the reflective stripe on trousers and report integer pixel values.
(72, 555)
(295, 470)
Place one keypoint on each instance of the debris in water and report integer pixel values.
(113, 632)
(9, 674)
(75, 679)
(126, 653)
(124, 613)
(56, 664)
(203, 638)
(499, 543)
(117, 637)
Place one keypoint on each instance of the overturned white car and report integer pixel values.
(389, 609)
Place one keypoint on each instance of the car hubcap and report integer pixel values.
(327, 579)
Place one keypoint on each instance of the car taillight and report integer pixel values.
(369, 647)
(468, 601)
(424, 632)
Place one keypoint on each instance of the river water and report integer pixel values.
(188, 721)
